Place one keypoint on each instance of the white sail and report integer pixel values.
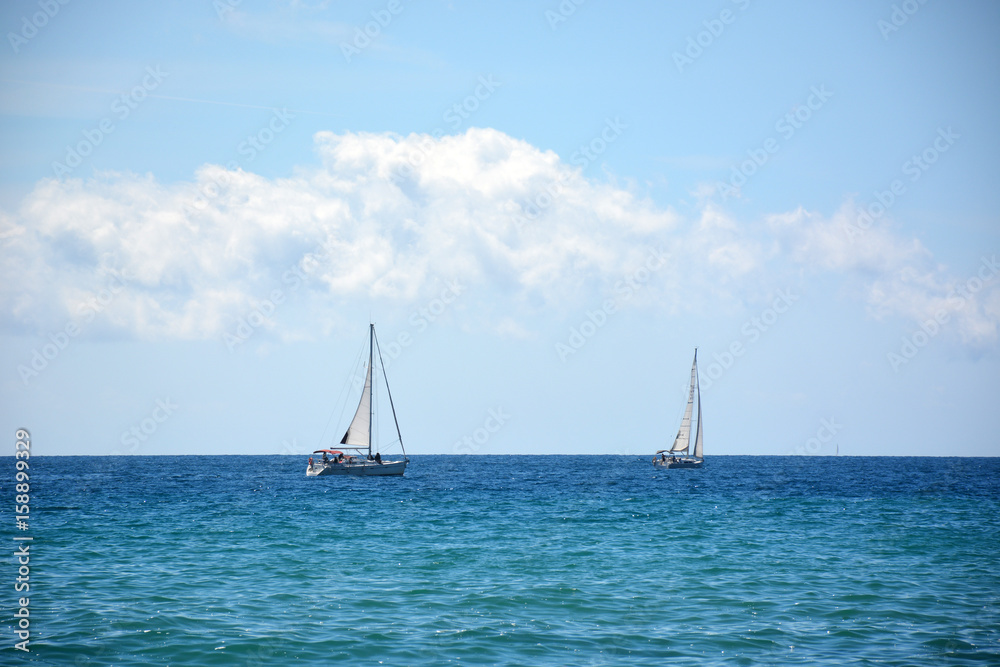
(683, 439)
(698, 436)
(357, 432)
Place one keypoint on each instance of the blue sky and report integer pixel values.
(545, 205)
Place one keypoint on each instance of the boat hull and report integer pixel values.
(679, 463)
(363, 469)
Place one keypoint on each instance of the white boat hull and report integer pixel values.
(361, 469)
(679, 463)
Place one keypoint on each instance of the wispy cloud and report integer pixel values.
(296, 23)
(288, 25)
(895, 276)
(90, 89)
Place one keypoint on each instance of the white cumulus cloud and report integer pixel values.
(388, 218)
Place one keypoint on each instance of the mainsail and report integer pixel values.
(683, 439)
(358, 432)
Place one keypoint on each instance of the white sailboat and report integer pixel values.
(357, 441)
(677, 456)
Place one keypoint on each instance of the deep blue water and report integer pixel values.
(555, 560)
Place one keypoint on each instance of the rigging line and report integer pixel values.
(396, 421)
(342, 398)
(371, 386)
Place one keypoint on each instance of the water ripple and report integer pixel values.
(516, 560)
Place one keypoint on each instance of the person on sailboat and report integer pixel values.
(378, 458)
(326, 459)
(310, 463)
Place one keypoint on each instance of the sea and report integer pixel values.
(508, 560)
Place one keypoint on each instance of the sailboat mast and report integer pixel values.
(698, 434)
(371, 385)
(697, 384)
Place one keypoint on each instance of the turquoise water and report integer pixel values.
(554, 560)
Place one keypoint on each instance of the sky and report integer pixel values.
(544, 207)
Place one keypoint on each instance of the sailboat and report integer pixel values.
(354, 455)
(677, 456)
